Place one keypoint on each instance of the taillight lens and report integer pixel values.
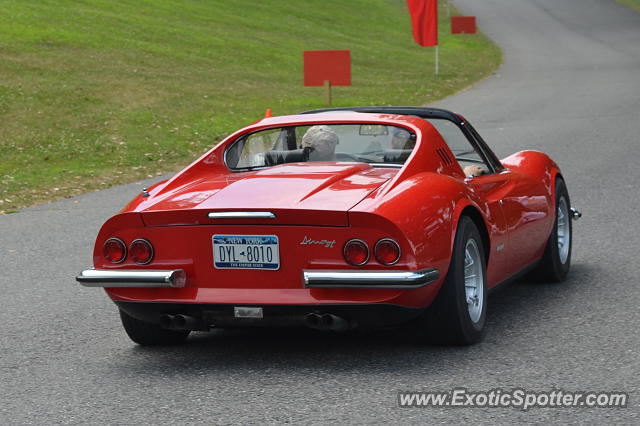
(114, 250)
(387, 251)
(356, 252)
(141, 251)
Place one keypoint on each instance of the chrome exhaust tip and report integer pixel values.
(334, 322)
(185, 322)
(313, 320)
(326, 322)
(166, 321)
(180, 322)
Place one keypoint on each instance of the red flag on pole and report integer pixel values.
(424, 16)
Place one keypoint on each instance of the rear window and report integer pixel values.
(367, 143)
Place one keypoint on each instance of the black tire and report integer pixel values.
(448, 321)
(148, 334)
(552, 268)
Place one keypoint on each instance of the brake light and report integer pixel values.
(141, 251)
(387, 251)
(114, 250)
(356, 252)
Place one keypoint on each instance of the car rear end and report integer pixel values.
(236, 239)
(260, 268)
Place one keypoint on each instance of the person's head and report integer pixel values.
(323, 140)
(402, 138)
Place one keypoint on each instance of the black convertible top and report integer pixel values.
(421, 112)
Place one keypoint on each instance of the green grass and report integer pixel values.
(633, 4)
(99, 92)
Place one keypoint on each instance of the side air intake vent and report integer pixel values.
(444, 156)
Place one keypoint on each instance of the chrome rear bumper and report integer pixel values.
(312, 279)
(369, 279)
(132, 278)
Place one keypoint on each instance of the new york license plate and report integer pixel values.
(246, 252)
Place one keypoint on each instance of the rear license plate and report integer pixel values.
(246, 252)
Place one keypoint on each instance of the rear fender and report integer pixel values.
(117, 226)
(140, 198)
(426, 209)
(463, 206)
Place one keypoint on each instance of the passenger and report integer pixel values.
(402, 139)
(474, 170)
(323, 140)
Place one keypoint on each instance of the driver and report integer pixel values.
(323, 140)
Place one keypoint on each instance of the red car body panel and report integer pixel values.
(418, 205)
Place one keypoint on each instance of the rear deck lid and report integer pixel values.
(319, 193)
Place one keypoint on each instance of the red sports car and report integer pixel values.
(335, 219)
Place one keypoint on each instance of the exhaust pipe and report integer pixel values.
(313, 321)
(166, 321)
(185, 322)
(326, 322)
(180, 322)
(334, 322)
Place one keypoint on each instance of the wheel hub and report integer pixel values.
(473, 280)
(563, 230)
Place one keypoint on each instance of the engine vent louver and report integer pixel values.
(444, 156)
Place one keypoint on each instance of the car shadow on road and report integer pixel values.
(513, 312)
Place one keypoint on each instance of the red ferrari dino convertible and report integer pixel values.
(335, 219)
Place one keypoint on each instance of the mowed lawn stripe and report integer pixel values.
(96, 93)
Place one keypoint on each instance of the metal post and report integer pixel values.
(437, 59)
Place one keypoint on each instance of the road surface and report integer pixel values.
(570, 86)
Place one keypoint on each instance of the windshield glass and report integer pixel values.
(368, 143)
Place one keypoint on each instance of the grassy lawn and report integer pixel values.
(99, 92)
(634, 4)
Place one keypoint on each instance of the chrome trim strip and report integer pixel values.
(390, 165)
(241, 215)
(132, 278)
(369, 279)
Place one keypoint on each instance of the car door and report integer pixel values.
(489, 187)
(525, 206)
(526, 209)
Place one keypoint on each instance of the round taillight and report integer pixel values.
(356, 252)
(114, 250)
(387, 251)
(141, 251)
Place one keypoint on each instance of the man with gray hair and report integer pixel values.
(323, 140)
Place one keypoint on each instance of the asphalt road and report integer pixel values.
(570, 86)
